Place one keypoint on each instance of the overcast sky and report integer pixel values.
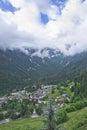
(44, 23)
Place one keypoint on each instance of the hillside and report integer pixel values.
(47, 66)
(76, 121)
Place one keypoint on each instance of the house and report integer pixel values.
(3, 100)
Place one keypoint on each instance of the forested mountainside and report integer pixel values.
(47, 66)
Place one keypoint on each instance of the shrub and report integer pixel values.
(76, 106)
(1, 116)
(70, 108)
(61, 116)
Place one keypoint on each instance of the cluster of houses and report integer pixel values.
(37, 95)
(3, 100)
(61, 100)
(41, 93)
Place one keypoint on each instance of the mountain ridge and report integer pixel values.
(19, 69)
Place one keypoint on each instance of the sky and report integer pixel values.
(58, 24)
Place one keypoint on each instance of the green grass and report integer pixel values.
(55, 94)
(77, 120)
(23, 124)
(68, 91)
(84, 127)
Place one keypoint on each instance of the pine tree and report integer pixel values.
(50, 118)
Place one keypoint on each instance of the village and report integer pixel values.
(38, 97)
(39, 94)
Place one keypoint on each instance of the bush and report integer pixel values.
(1, 116)
(76, 99)
(39, 111)
(12, 114)
(53, 91)
(61, 116)
(70, 108)
(76, 106)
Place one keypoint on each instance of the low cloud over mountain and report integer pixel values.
(58, 24)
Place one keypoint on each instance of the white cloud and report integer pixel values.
(24, 28)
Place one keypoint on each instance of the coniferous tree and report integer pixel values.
(50, 118)
(80, 88)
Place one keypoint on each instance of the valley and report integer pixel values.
(19, 107)
(19, 70)
(32, 80)
(43, 65)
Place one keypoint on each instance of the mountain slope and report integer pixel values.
(76, 121)
(48, 66)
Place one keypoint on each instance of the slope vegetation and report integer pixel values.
(18, 70)
(76, 121)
